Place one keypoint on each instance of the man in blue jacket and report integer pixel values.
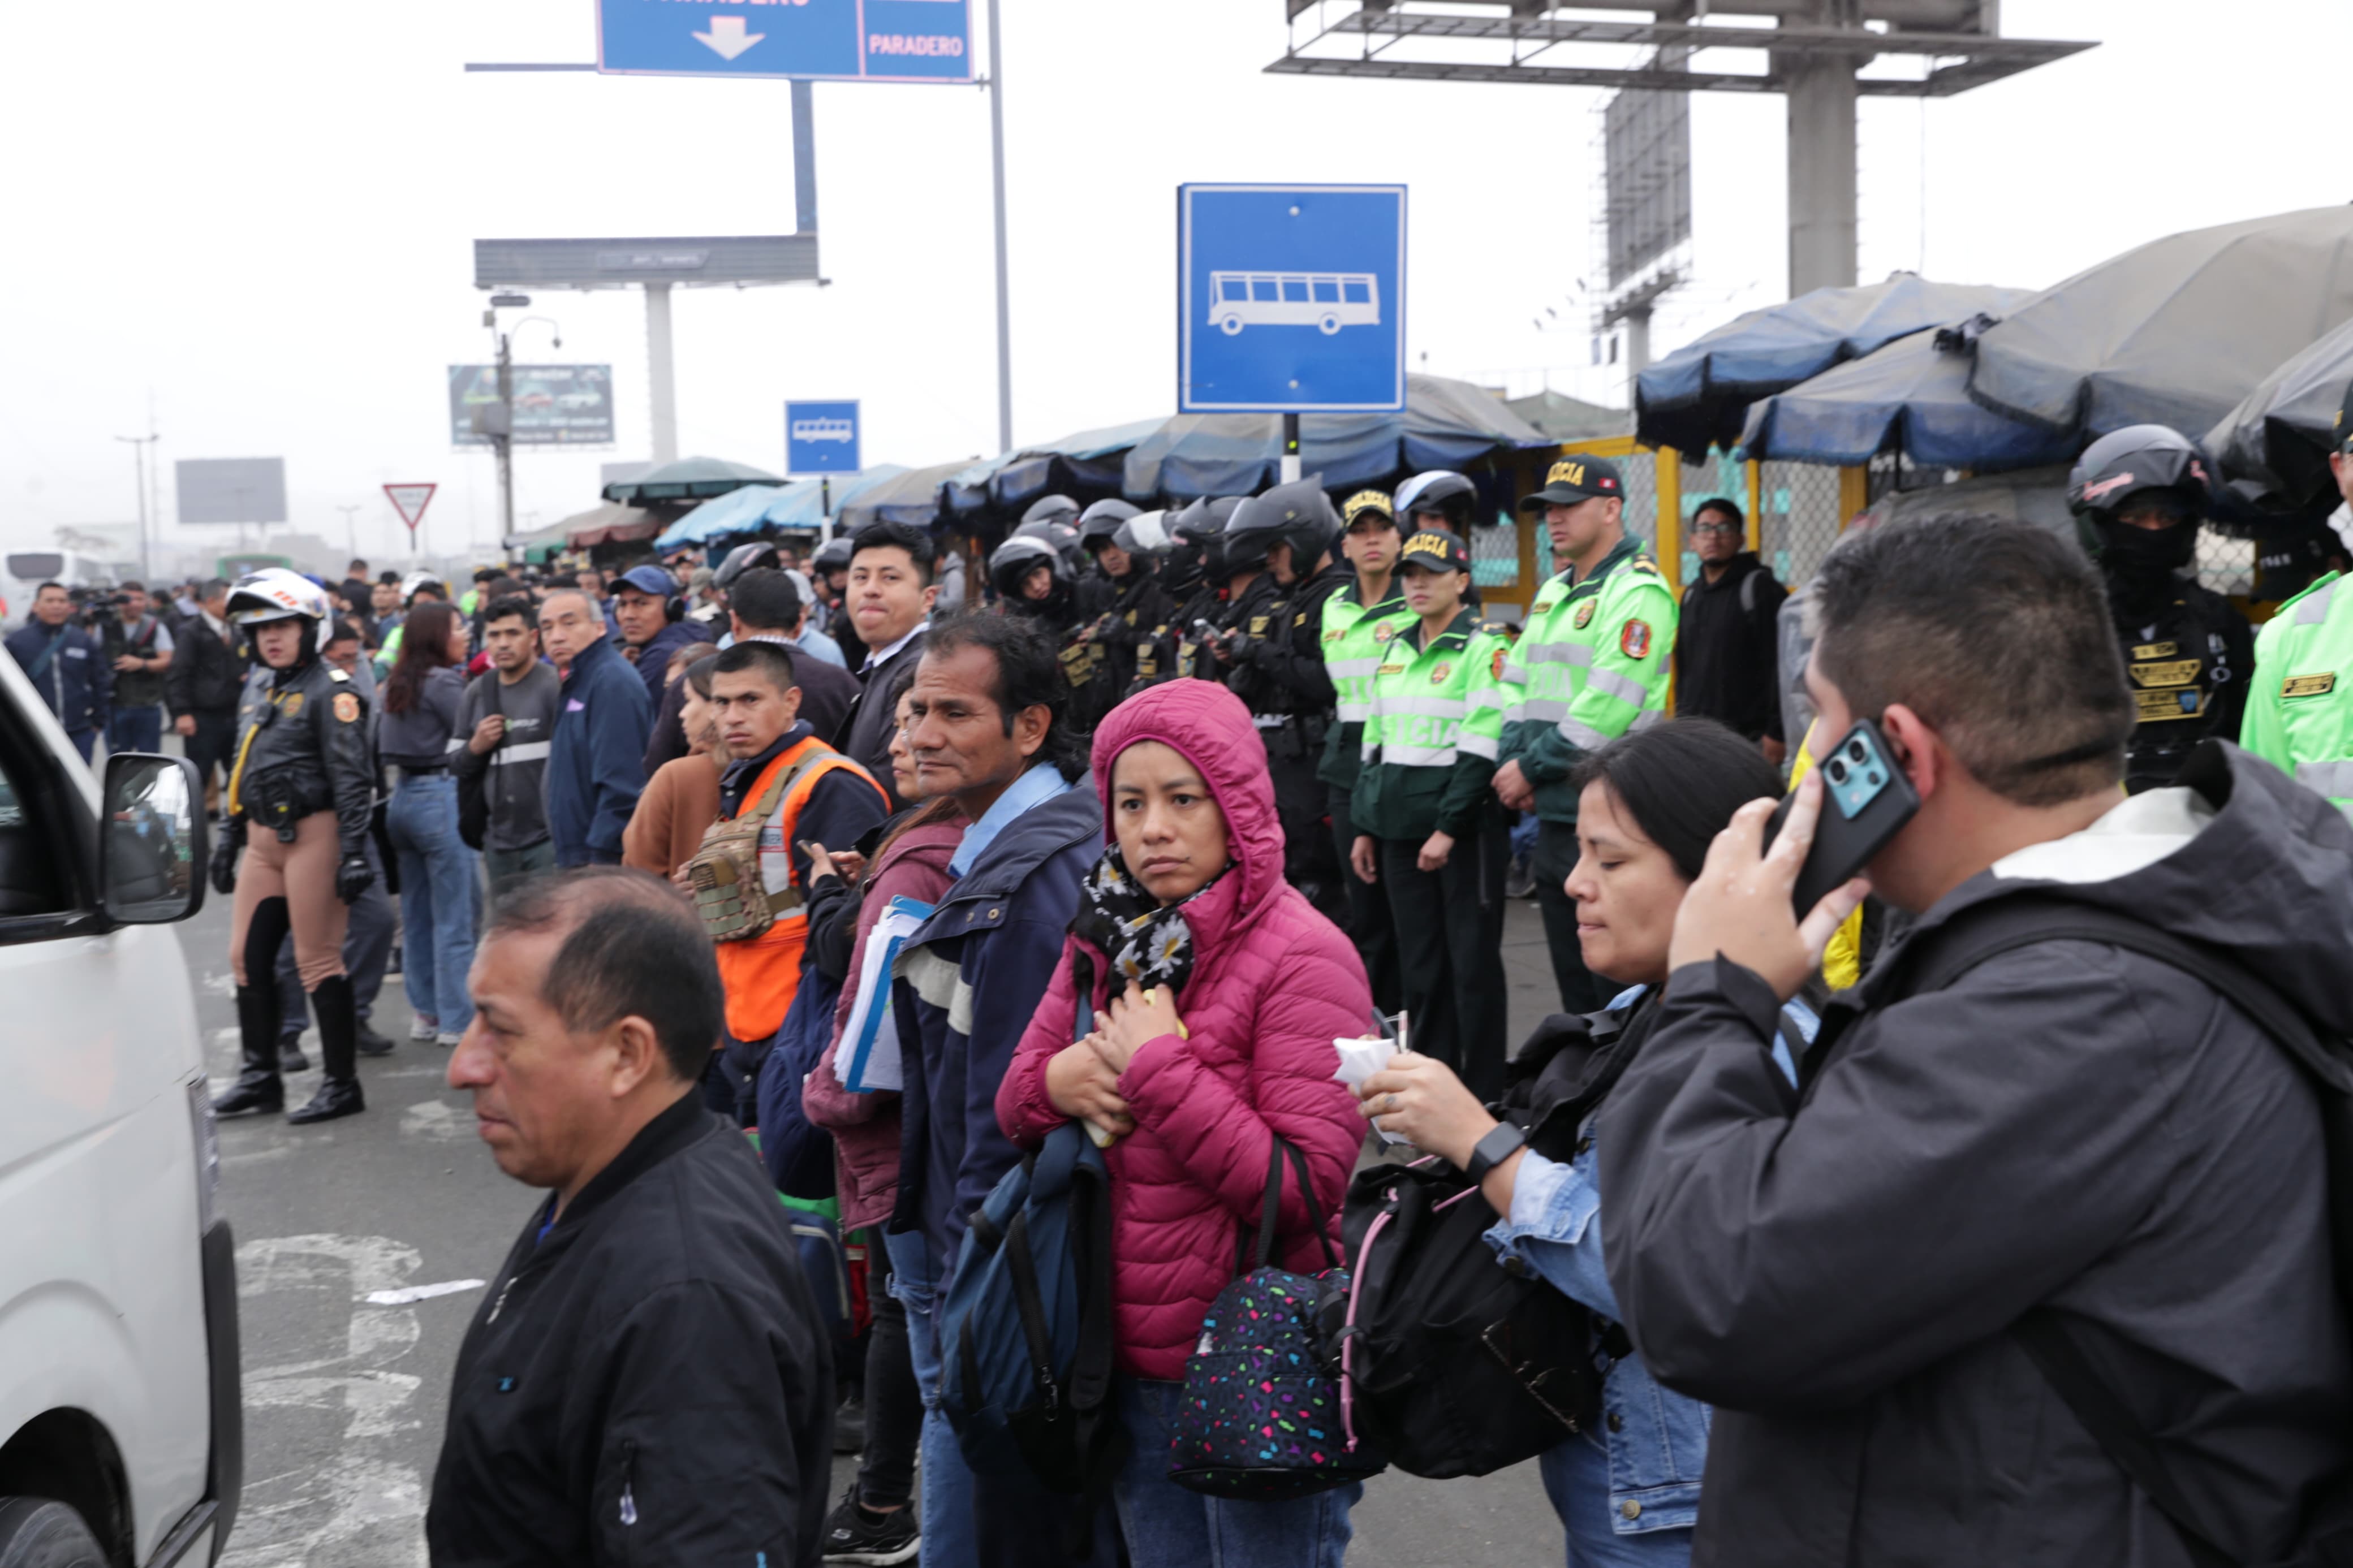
(66, 664)
(986, 726)
(596, 764)
(643, 599)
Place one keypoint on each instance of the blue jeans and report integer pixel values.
(946, 1505)
(135, 730)
(1168, 1527)
(1577, 1478)
(439, 899)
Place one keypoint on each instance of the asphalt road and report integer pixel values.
(346, 1398)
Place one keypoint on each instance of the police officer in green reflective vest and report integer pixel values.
(2300, 707)
(1358, 621)
(1431, 834)
(1592, 664)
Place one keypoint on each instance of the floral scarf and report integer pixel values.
(1148, 944)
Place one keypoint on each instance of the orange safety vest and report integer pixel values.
(761, 974)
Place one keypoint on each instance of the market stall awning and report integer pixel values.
(2273, 446)
(611, 524)
(1445, 423)
(2172, 333)
(689, 479)
(1910, 397)
(1093, 459)
(912, 496)
(766, 509)
(1700, 395)
(1561, 417)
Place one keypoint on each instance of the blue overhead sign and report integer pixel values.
(829, 40)
(1291, 298)
(821, 437)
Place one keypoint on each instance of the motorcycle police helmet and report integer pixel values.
(1100, 522)
(1057, 535)
(276, 594)
(1298, 514)
(746, 558)
(1012, 562)
(1441, 494)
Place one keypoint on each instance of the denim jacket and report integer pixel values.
(1657, 1439)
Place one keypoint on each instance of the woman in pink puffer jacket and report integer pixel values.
(1190, 900)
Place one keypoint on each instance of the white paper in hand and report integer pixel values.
(1359, 1060)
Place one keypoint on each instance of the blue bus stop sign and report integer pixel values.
(1291, 298)
(849, 40)
(821, 437)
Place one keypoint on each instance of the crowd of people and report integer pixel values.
(1971, 1215)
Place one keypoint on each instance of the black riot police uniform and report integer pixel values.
(1278, 671)
(301, 762)
(2189, 652)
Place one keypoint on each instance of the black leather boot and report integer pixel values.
(258, 1087)
(339, 1028)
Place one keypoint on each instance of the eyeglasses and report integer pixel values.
(1717, 528)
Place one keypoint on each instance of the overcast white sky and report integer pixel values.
(258, 215)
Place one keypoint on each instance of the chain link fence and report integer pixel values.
(1798, 517)
(2225, 564)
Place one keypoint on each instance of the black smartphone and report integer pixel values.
(1866, 801)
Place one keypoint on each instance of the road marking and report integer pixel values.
(433, 1118)
(402, 1298)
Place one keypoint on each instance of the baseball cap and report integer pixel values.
(1374, 503)
(1573, 480)
(647, 579)
(1441, 549)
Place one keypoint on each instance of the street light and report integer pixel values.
(502, 436)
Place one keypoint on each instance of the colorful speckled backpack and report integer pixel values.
(1262, 1419)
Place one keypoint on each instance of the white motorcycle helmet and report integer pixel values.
(276, 594)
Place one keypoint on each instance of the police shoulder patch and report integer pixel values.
(1634, 638)
(1643, 564)
(2308, 685)
(347, 707)
(1333, 637)
(1495, 663)
(1584, 617)
(1258, 625)
(1300, 619)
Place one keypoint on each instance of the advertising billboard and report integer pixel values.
(231, 490)
(555, 405)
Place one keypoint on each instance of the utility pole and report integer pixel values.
(351, 531)
(139, 444)
(504, 439)
(1004, 284)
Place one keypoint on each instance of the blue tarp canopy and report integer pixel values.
(2273, 446)
(1445, 424)
(911, 496)
(2172, 333)
(1091, 458)
(758, 509)
(1910, 397)
(1700, 395)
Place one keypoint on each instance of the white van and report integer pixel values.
(120, 1436)
(27, 570)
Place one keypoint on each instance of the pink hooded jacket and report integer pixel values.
(1274, 984)
(865, 1127)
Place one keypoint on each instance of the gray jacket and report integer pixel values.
(2069, 1124)
(517, 787)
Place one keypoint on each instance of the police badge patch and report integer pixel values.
(1584, 617)
(1495, 664)
(1438, 677)
(292, 705)
(347, 707)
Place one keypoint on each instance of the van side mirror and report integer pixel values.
(152, 842)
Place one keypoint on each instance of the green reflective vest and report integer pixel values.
(1355, 638)
(1592, 664)
(2300, 709)
(1431, 739)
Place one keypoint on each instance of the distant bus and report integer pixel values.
(1324, 301)
(27, 570)
(229, 568)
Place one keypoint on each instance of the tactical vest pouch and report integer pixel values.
(724, 871)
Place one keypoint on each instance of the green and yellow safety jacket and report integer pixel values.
(1356, 636)
(2300, 709)
(1431, 737)
(1592, 664)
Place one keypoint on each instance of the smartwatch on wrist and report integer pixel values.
(1493, 1150)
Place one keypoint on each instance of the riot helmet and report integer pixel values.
(2156, 477)
(1010, 565)
(1146, 533)
(833, 555)
(1058, 535)
(1440, 495)
(745, 558)
(1050, 508)
(1100, 522)
(1298, 514)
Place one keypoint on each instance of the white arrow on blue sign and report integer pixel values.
(821, 437)
(1291, 298)
(818, 40)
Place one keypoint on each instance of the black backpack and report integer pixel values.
(1946, 953)
(1455, 1366)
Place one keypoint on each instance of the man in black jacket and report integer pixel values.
(2071, 1138)
(1728, 654)
(647, 1380)
(207, 681)
(890, 602)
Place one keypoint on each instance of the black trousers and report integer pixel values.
(1299, 802)
(1368, 925)
(214, 739)
(894, 1406)
(1581, 991)
(1450, 942)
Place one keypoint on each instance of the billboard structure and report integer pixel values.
(555, 405)
(1646, 163)
(231, 490)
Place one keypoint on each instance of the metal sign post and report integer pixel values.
(1291, 299)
